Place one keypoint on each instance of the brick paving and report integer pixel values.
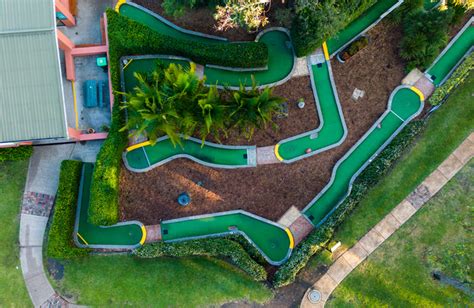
(37, 204)
(390, 223)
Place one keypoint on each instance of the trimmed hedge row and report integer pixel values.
(17, 153)
(212, 247)
(60, 242)
(457, 78)
(370, 176)
(135, 38)
(104, 199)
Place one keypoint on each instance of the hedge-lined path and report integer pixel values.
(40, 190)
(350, 259)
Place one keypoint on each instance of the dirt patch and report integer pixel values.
(202, 20)
(270, 190)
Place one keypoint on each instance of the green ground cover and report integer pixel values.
(438, 237)
(163, 282)
(12, 287)
(444, 131)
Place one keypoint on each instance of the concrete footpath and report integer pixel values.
(350, 259)
(38, 199)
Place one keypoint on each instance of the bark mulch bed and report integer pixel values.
(270, 190)
(202, 20)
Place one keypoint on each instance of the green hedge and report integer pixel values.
(457, 78)
(60, 242)
(104, 200)
(316, 21)
(212, 247)
(369, 177)
(16, 153)
(135, 38)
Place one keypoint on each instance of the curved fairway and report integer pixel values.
(123, 235)
(332, 129)
(404, 104)
(273, 241)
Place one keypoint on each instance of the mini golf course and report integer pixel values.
(452, 55)
(274, 241)
(404, 104)
(129, 234)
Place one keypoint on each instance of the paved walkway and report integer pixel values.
(350, 259)
(38, 200)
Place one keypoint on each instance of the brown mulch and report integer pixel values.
(270, 190)
(202, 20)
(298, 120)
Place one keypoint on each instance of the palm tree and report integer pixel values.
(251, 109)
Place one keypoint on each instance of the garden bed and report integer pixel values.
(270, 190)
(201, 20)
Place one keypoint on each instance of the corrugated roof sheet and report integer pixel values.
(31, 94)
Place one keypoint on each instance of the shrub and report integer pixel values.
(369, 177)
(316, 21)
(60, 238)
(16, 153)
(177, 8)
(213, 247)
(457, 78)
(407, 7)
(130, 37)
(425, 34)
(104, 199)
(248, 14)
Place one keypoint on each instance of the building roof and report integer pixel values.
(31, 93)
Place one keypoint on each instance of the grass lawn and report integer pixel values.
(12, 287)
(162, 282)
(445, 130)
(438, 237)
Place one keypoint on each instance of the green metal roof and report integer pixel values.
(31, 93)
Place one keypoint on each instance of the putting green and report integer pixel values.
(364, 21)
(281, 57)
(332, 128)
(452, 54)
(124, 235)
(404, 104)
(271, 239)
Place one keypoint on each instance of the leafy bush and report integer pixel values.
(60, 240)
(457, 78)
(354, 47)
(177, 8)
(316, 21)
(104, 199)
(425, 34)
(212, 247)
(131, 37)
(407, 7)
(368, 178)
(16, 153)
(248, 14)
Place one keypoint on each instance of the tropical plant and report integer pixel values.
(251, 109)
(249, 14)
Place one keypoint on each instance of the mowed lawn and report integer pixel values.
(438, 237)
(162, 282)
(12, 287)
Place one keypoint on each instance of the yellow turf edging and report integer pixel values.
(417, 91)
(277, 146)
(326, 52)
(290, 236)
(142, 241)
(85, 242)
(119, 4)
(138, 145)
